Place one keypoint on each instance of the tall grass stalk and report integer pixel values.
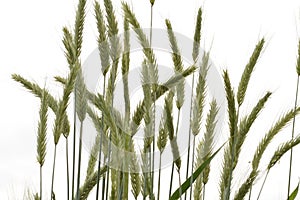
(195, 54)
(42, 137)
(294, 120)
(105, 63)
(154, 106)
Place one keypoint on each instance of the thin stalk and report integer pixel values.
(250, 192)
(193, 160)
(159, 173)
(68, 175)
(41, 182)
(190, 132)
(154, 111)
(171, 181)
(108, 161)
(53, 170)
(262, 185)
(179, 179)
(74, 146)
(79, 161)
(293, 133)
(103, 184)
(203, 192)
(100, 149)
(172, 172)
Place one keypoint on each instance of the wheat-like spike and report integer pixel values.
(70, 51)
(90, 183)
(170, 129)
(228, 154)
(93, 157)
(81, 96)
(199, 181)
(298, 60)
(178, 66)
(198, 102)
(42, 130)
(125, 70)
(145, 189)
(209, 137)
(246, 123)
(37, 91)
(103, 45)
(231, 103)
(112, 30)
(275, 129)
(148, 51)
(248, 71)
(134, 175)
(163, 129)
(79, 23)
(281, 150)
(279, 125)
(197, 36)
(62, 106)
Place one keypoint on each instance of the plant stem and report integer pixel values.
(79, 161)
(179, 179)
(41, 182)
(193, 160)
(203, 193)
(100, 149)
(190, 132)
(262, 185)
(53, 170)
(159, 173)
(293, 132)
(154, 111)
(68, 175)
(172, 172)
(107, 166)
(74, 146)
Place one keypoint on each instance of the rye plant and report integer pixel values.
(110, 171)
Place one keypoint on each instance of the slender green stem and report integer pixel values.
(172, 172)
(193, 160)
(41, 182)
(250, 192)
(262, 186)
(154, 111)
(107, 166)
(103, 184)
(159, 173)
(79, 162)
(53, 170)
(171, 181)
(190, 132)
(68, 175)
(179, 179)
(74, 146)
(203, 192)
(100, 148)
(293, 133)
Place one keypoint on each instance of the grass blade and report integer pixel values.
(186, 185)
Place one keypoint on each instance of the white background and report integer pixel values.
(30, 45)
